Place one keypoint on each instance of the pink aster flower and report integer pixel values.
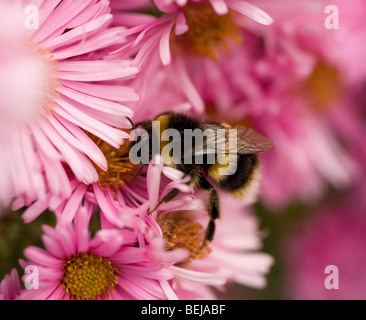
(120, 195)
(55, 91)
(121, 202)
(233, 256)
(204, 26)
(291, 82)
(351, 17)
(10, 286)
(107, 266)
(235, 250)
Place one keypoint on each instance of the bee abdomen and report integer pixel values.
(243, 180)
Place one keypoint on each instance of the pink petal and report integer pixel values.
(66, 239)
(165, 45)
(73, 203)
(110, 135)
(187, 86)
(168, 290)
(251, 11)
(220, 7)
(201, 277)
(76, 34)
(53, 246)
(58, 18)
(98, 70)
(101, 40)
(96, 103)
(80, 140)
(108, 210)
(42, 257)
(181, 26)
(107, 92)
(106, 242)
(81, 227)
(35, 210)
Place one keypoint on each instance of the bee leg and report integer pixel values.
(214, 213)
(170, 196)
(214, 205)
(213, 209)
(210, 232)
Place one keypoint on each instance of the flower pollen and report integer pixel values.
(324, 86)
(88, 276)
(180, 231)
(209, 34)
(120, 169)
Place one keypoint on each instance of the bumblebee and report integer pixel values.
(203, 159)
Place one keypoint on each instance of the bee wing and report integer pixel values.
(246, 141)
(249, 141)
(214, 134)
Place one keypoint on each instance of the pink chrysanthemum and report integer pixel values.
(235, 250)
(10, 286)
(231, 257)
(289, 82)
(121, 202)
(106, 266)
(204, 27)
(55, 90)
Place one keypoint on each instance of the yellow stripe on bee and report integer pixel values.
(164, 125)
(250, 187)
(219, 171)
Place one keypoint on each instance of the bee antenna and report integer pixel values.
(132, 124)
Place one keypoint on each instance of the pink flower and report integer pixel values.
(121, 202)
(54, 91)
(350, 22)
(221, 8)
(10, 286)
(235, 250)
(107, 266)
(203, 27)
(291, 83)
(180, 225)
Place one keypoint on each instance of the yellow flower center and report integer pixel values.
(323, 87)
(209, 34)
(120, 169)
(88, 276)
(181, 231)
